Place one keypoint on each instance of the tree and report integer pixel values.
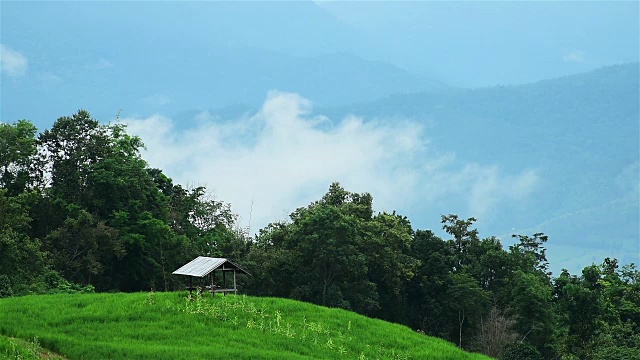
(98, 169)
(427, 300)
(17, 154)
(271, 262)
(71, 148)
(489, 263)
(333, 271)
(83, 247)
(318, 256)
(529, 254)
(583, 309)
(467, 299)
(496, 333)
(386, 241)
(531, 305)
(600, 311)
(463, 237)
(22, 260)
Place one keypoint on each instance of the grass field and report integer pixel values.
(179, 326)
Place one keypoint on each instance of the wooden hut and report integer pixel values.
(203, 266)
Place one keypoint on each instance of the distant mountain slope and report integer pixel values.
(603, 102)
(581, 134)
(211, 77)
(167, 326)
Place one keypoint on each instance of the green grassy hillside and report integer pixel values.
(171, 326)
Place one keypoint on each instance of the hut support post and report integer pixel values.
(235, 288)
(213, 292)
(224, 281)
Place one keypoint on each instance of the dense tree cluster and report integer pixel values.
(79, 201)
(81, 210)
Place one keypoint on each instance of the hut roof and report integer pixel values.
(203, 266)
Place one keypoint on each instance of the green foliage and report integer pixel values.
(385, 242)
(468, 300)
(335, 253)
(22, 258)
(463, 237)
(521, 351)
(321, 253)
(55, 284)
(17, 154)
(621, 341)
(529, 254)
(531, 306)
(5, 286)
(601, 311)
(427, 291)
(82, 246)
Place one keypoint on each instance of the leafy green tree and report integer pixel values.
(22, 260)
(463, 237)
(271, 262)
(17, 154)
(531, 305)
(468, 300)
(121, 181)
(318, 256)
(617, 342)
(5, 286)
(386, 243)
(97, 169)
(489, 263)
(333, 272)
(599, 311)
(72, 146)
(529, 254)
(83, 247)
(427, 300)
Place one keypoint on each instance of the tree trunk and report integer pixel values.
(461, 321)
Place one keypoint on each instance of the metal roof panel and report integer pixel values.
(203, 266)
(200, 266)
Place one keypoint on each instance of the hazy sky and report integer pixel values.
(496, 42)
(173, 56)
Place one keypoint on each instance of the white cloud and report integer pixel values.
(282, 158)
(12, 62)
(575, 56)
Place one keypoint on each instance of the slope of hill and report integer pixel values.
(169, 326)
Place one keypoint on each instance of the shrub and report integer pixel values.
(5, 286)
(521, 351)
